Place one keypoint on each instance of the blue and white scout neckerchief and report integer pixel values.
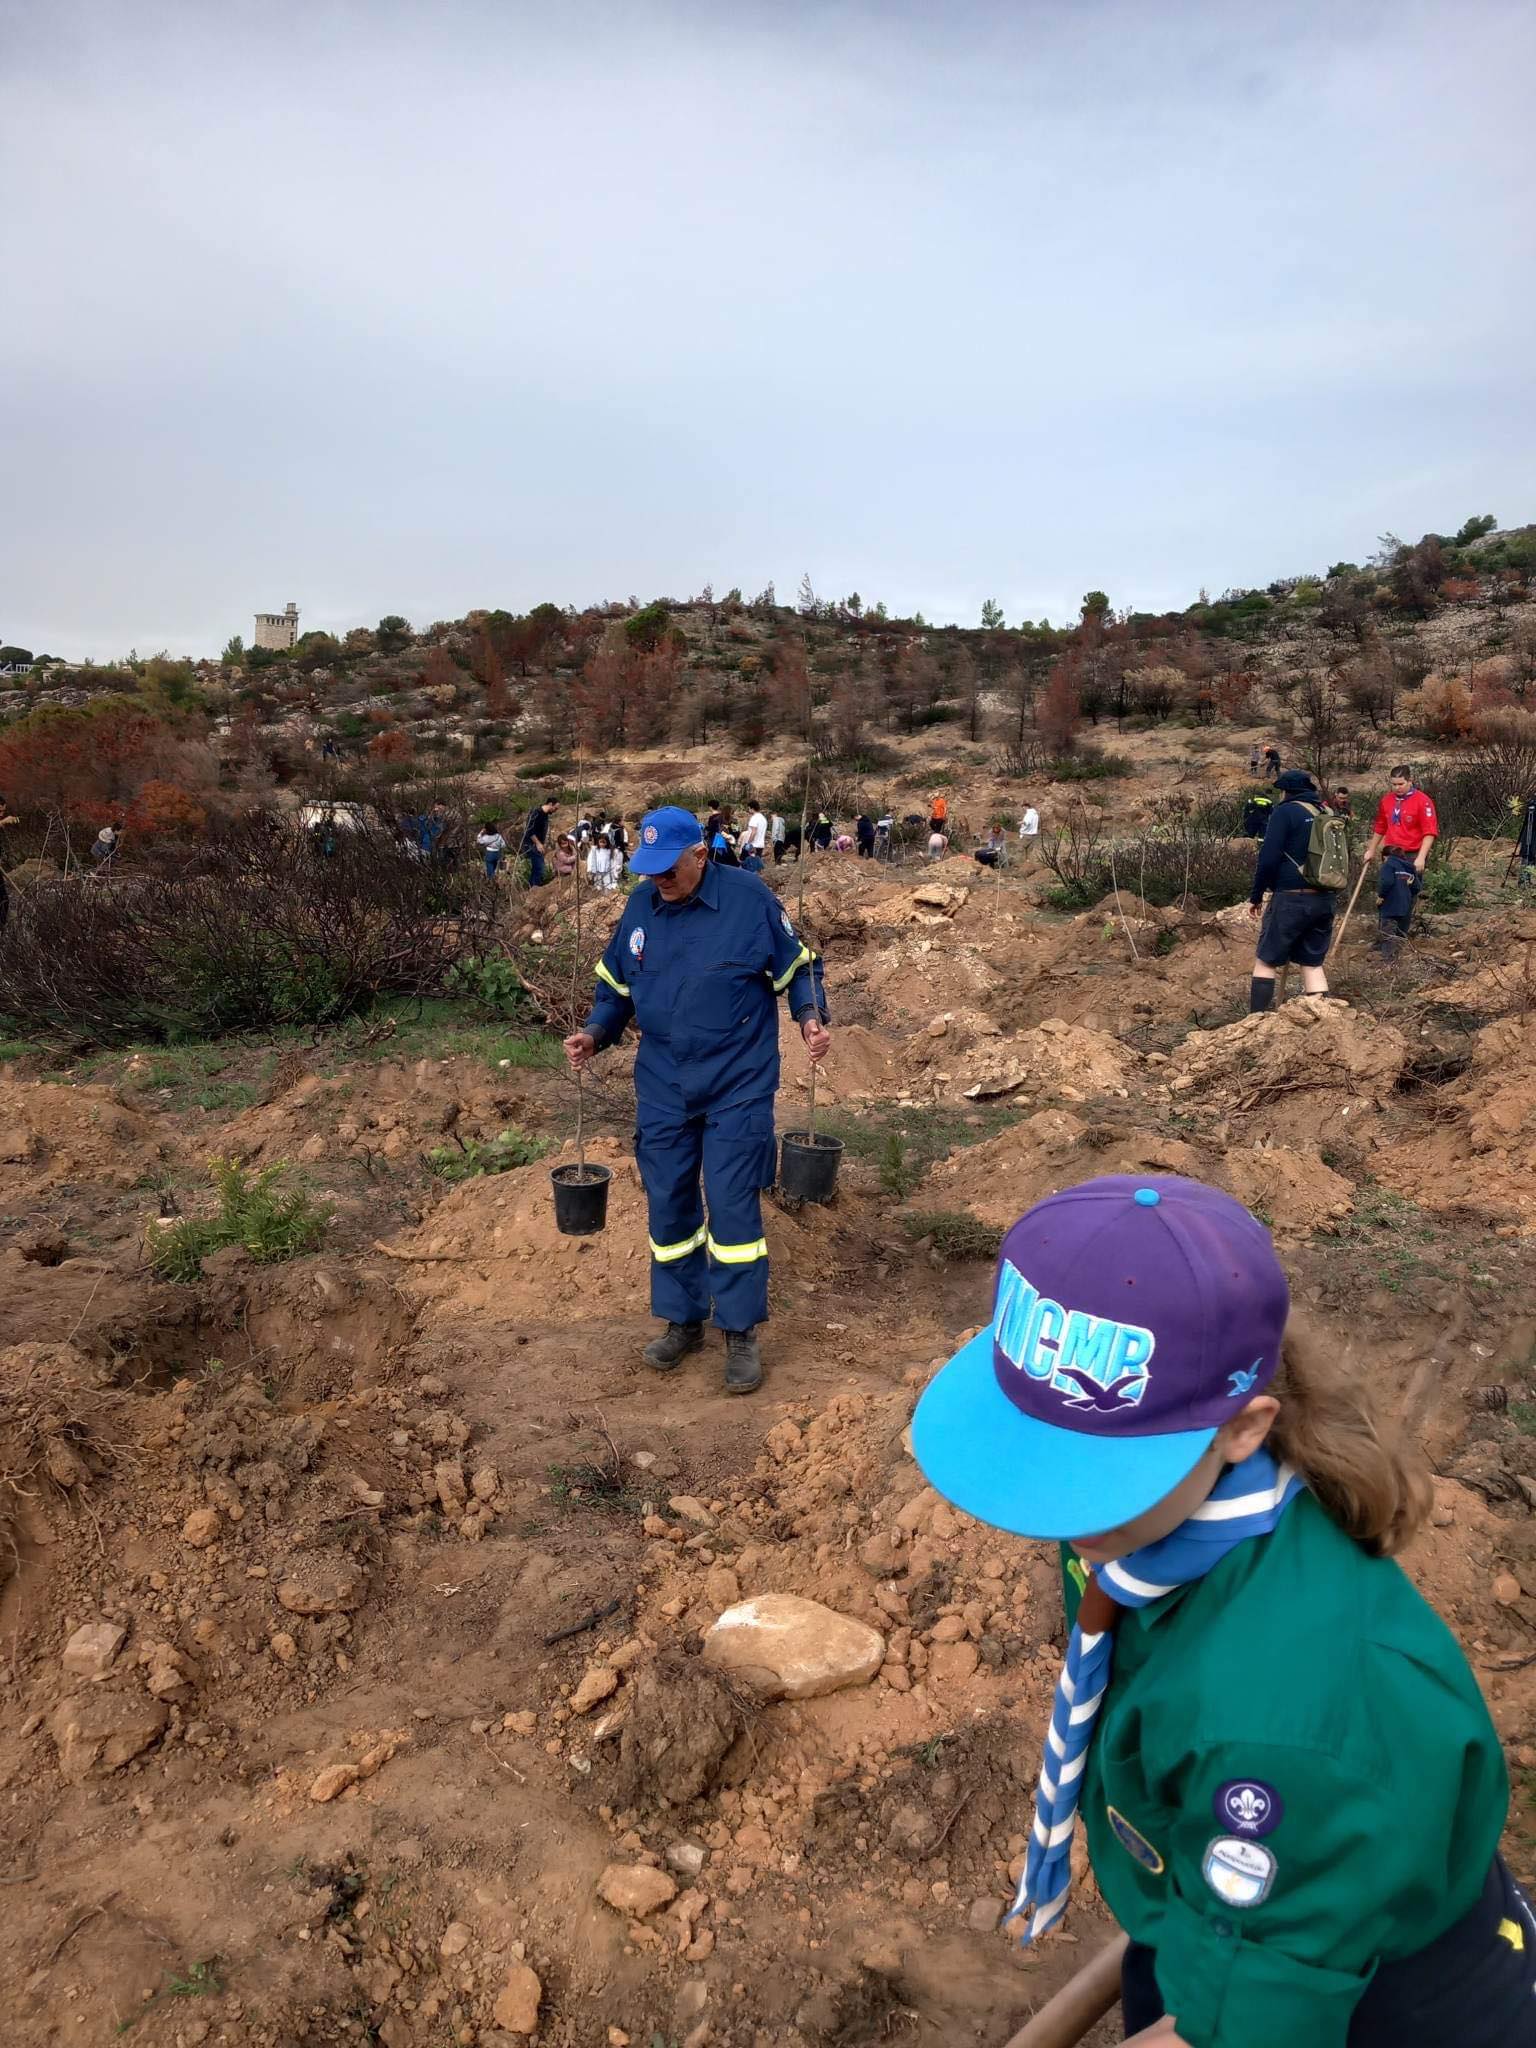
(1247, 1500)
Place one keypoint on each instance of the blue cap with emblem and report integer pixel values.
(1131, 1319)
(663, 835)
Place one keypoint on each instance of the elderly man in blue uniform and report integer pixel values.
(698, 961)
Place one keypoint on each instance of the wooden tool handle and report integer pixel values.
(1348, 914)
(1080, 2003)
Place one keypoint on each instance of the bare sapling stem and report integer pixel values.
(581, 1072)
(805, 844)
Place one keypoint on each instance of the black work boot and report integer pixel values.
(668, 1351)
(743, 1362)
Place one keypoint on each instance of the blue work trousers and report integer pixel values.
(1396, 889)
(725, 1260)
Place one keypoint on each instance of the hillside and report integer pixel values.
(1421, 641)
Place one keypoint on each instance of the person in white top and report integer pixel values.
(603, 864)
(1029, 831)
(938, 844)
(753, 841)
(492, 846)
(777, 833)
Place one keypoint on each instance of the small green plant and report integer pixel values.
(1165, 942)
(492, 984)
(467, 1159)
(202, 1980)
(1447, 887)
(252, 1212)
(593, 1484)
(1071, 896)
(1523, 1415)
(1088, 767)
(926, 1755)
(954, 1233)
(898, 1174)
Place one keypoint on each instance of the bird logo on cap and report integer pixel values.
(1103, 1400)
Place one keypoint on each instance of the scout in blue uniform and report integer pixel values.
(1290, 1786)
(699, 960)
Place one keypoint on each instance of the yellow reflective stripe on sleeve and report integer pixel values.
(801, 959)
(666, 1253)
(619, 987)
(738, 1254)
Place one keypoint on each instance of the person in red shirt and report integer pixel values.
(1407, 827)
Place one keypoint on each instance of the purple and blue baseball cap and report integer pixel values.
(1132, 1318)
(663, 835)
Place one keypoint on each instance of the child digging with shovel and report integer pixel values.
(1291, 1788)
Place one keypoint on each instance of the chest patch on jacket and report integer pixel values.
(1242, 1873)
(1134, 1842)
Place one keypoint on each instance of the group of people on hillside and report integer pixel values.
(1304, 862)
(745, 846)
(598, 841)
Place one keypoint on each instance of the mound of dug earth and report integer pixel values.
(49, 1133)
(860, 1068)
(997, 1181)
(1479, 1155)
(1053, 1149)
(1307, 1065)
(1054, 1058)
(405, 1110)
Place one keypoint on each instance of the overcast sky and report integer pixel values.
(418, 307)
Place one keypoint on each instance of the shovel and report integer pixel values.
(1080, 2003)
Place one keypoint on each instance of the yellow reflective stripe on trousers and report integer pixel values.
(738, 1254)
(666, 1253)
(801, 959)
(619, 987)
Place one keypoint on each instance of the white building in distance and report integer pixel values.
(277, 629)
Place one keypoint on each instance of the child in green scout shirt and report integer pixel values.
(1291, 1788)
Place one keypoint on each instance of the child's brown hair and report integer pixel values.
(1353, 1458)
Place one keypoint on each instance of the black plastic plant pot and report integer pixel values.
(808, 1166)
(581, 1199)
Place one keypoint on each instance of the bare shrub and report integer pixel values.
(257, 928)
(1482, 795)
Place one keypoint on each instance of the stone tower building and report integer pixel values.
(277, 629)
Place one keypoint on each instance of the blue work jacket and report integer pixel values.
(702, 980)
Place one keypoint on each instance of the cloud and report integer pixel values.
(391, 309)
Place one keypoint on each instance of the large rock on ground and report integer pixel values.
(636, 1888)
(796, 1649)
(90, 1651)
(517, 2004)
(104, 1728)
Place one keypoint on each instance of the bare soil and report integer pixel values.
(412, 1556)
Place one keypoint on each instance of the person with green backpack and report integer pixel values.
(1302, 864)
